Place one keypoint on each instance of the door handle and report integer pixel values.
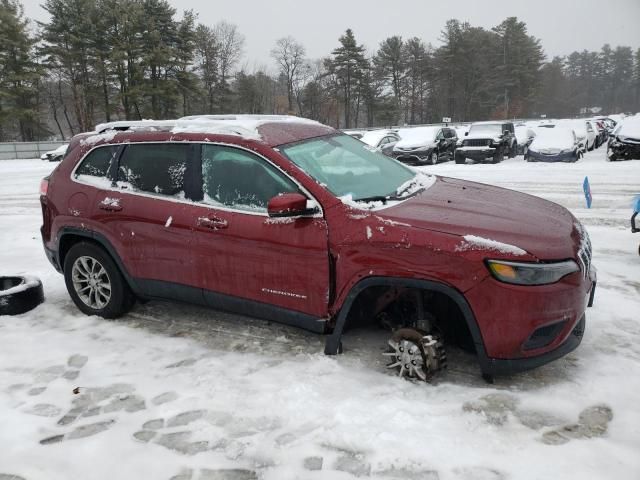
(212, 223)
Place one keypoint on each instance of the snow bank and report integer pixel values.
(473, 242)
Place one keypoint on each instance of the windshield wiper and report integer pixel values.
(377, 198)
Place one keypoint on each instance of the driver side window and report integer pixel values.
(238, 179)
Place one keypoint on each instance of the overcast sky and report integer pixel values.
(562, 25)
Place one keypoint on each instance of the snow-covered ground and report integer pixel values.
(180, 392)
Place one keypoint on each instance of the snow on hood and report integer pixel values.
(417, 137)
(630, 128)
(473, 242)
(558, 138)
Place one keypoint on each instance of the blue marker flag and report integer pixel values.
(587, 191)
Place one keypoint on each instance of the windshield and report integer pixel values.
(347, 167)
(486, 129)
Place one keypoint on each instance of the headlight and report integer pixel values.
(531, 273)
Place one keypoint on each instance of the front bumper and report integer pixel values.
(412, 158)
(558, 157)
(495, 366)
(525, 327)
(476, 153)
(622, 150)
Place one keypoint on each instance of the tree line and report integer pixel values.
(104, 60)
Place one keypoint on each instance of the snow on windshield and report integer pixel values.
(486, 129)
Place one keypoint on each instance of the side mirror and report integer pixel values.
(289, 205)
(466, 134)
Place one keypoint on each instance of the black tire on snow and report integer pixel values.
(19, 294)
(459, 158)
(122, 298)
(513, 150)
(498, 156)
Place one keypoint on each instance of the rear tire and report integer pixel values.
(513, 150)
(459, 158)
(95, 283)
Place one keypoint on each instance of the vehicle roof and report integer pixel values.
(272, 130)
(491, 122)
(372, 137)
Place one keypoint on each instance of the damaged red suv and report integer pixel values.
(292, 221)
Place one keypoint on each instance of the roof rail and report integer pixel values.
(137, 124)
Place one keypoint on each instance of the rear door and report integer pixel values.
(146, 215)
(243, 253)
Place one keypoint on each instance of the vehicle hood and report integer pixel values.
(543, 229)
(483, 136)
(408, 144)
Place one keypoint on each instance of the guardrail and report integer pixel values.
(17, 150)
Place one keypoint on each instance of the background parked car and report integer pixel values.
(624, 143)
(384, 140)
(585, 132)
(601, 131)
(425, 145)
(557, 144)
(488, 141)
(524, 137)
(55, 155)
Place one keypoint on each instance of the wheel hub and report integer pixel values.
(415, 355)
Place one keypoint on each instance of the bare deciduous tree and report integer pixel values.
(290, 56)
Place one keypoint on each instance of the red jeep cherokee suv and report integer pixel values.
(290, 220)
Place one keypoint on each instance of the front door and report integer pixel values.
(243, 253)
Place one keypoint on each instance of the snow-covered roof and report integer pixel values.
(245, 126)
(373, 137)
(410, 135)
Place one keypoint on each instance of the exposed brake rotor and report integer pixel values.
(415, 354)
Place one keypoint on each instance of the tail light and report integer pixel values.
(44, 186)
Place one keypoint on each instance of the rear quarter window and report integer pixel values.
(154, 168)
(96, 163)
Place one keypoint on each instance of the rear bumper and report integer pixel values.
(52, 255)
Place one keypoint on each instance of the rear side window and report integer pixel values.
(96, 164)
(235, 178)
(154, 168)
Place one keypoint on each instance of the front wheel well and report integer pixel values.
(399, 306)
